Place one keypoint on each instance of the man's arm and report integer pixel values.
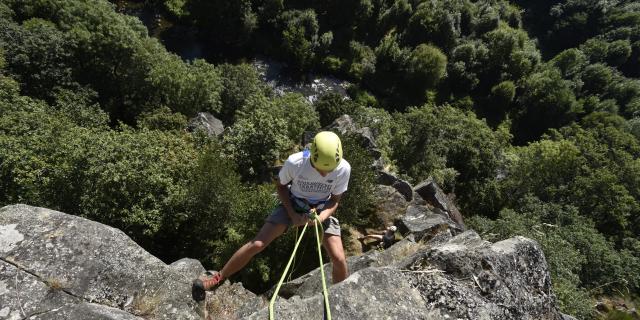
(283, 194)
(330, 207)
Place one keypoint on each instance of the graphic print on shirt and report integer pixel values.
(308, 186)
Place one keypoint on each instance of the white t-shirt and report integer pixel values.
(306, 181)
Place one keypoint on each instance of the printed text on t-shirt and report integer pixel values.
(307, 186)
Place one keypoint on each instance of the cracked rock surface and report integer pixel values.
(59, 266)
(464, 278)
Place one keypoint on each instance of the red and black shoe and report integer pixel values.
(207, 282)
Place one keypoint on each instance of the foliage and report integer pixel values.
(455, 148)
(228, 25)
(331, 106)
(162, 119)
(187, 88)
(426, 67)
(39, 70)
(266, 129)
(128, 179)
(53, 46)
(299, 37)
(256, 141)
(356, 207)
(239, 82)
(547, 102)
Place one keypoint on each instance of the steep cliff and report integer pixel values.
(58, 266)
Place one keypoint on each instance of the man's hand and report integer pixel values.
(298, 220)
(312, 214)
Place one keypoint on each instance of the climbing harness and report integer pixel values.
(313, 215)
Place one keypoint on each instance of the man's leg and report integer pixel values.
(268, 233)
(333, 245)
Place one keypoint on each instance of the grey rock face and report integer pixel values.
(233, 301)
(311, 283)
(373, 293)
(52, 260)
(464, 278)
(207, 122)
(389, 179)
(85, 310)
(390, 204)
(431, 192)
(190, 268)
(57, 266)
(506, 280)
(343, 125)
(425, 224)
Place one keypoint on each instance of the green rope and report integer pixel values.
(325, 293)
(286, 269)
(324, 280)
(295, 265)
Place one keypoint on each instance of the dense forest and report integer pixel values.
(527, 110)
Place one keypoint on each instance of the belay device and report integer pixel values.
(327, 311)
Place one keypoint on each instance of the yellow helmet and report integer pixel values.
(326, 151)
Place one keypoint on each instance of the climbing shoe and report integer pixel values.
(206, 282)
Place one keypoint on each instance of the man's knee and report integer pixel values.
(257, 246)
(338, 259)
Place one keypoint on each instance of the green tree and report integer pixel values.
(331, 106)
(502, 95)
(162, 119)
(511, 54)
(570, 62)
(256, 141)
(618, 52)
(547, 101)
(299, 37)
(596, 78)
(396, 16)
(239, 82)
(543, 168)
(80, 105)
(454, 147)
(434, 22)
(225, 25)
(390, 66)
(39, 56)
(465, 65)
(266, 129)
(91, 45)
(426, 67)
(187, 88)
(362, 60)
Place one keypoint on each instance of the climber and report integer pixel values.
(387, 239)
(311, 179)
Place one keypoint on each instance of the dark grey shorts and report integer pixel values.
(279, 216)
